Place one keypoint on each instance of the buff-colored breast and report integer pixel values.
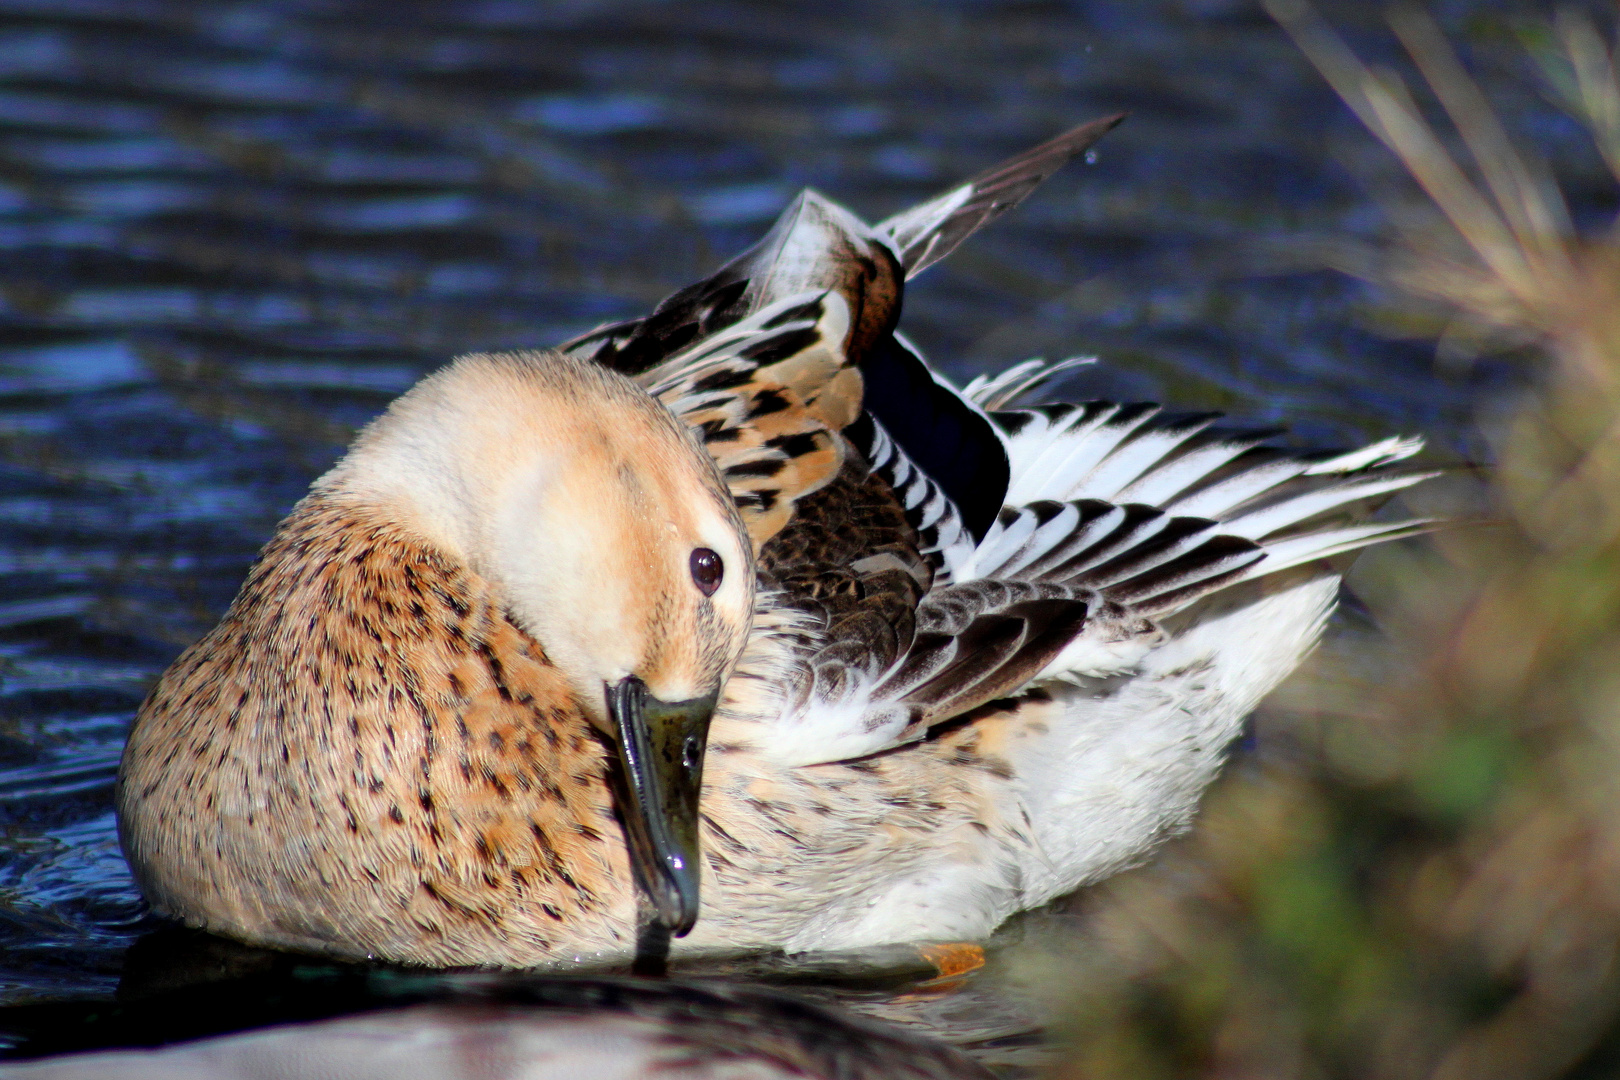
(367, 757)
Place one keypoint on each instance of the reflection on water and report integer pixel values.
(231, 232)
(271, 1016)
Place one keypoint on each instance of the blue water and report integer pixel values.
(230, 232)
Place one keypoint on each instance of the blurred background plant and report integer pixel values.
(1421, 877)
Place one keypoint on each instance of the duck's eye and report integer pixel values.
(707, 570)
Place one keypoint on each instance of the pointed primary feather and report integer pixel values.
(814, 246)
(929, 231)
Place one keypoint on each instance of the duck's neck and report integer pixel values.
(482, 462)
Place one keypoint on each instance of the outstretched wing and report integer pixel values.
(1151, 514)
(818, 247)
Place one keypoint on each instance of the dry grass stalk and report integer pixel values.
(1437, 893)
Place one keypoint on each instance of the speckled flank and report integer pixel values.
(367, 756)
(813, 857)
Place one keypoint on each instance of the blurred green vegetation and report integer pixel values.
(1419, 875)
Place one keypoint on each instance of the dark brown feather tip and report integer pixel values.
(928, 232)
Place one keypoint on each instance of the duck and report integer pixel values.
(735, 627)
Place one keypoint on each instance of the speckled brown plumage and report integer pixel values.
(849, 561)
(797, 857)
(369, 726)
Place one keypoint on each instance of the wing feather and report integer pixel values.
(929, 231)
(1113, 570)
(933, 550)
(994, 392)
(768, 397)
(995, 655)
(943, 539)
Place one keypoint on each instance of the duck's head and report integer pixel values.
(615, 544)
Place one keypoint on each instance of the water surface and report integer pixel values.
(230, 233)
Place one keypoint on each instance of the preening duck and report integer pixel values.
(739, 621)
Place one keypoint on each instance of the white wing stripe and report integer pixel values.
(1084, 537)
(1220, 498)
(1261, 523)
(1160, 486)
(1041, 541)
(1003, 541)
(1072, 453)
(1133, 460)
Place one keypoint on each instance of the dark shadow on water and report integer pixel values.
(179, 985)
